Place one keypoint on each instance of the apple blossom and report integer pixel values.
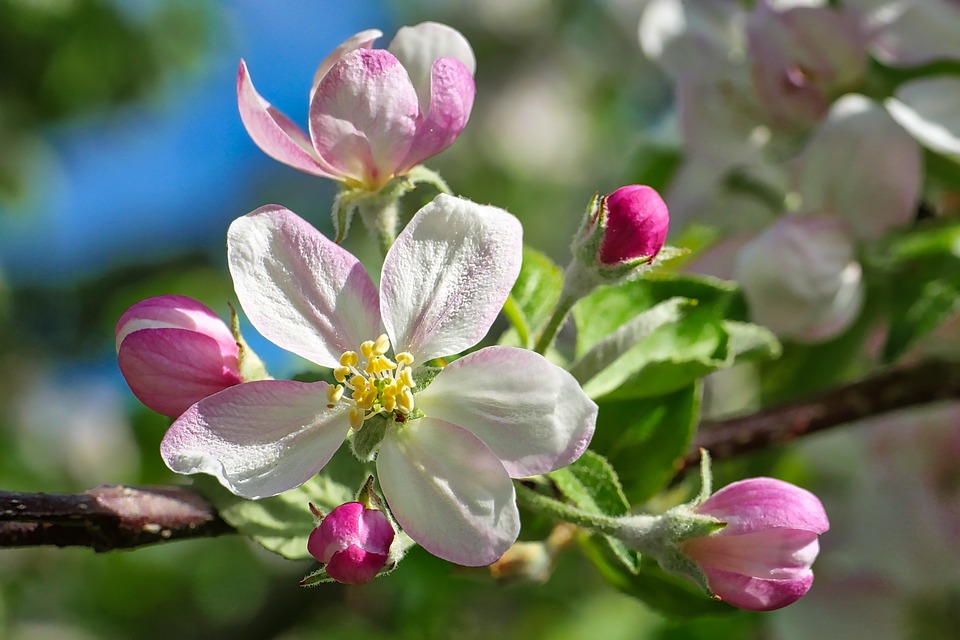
(446, 454)
(761, 559)
(174, 351)
(635, 221)
(353, 541)
(374, 113)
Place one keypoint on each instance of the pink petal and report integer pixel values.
(763, 503)
(448, 491)
(170, 369)
(362, 40)
(447, 276)
(420, 46)
(531, 413)
(758, 594)
(258, 438)
(771, 553)
(451, 99)
(363, 116)
(176, 312)
(353, 565)
(300, 290)
(274, 133)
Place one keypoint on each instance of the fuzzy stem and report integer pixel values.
(380, 215)
(577, 283)
(563, 511)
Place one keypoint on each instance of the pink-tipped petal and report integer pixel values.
(362, 40)
(448, 491)
(176, 312)
(451, 99)
(531, 413)
(300, 290)
(363, 116)
(769, 553)
(758, 594)
(274, 132)
(447, 276)
(354, 565)
(762, 503)
(170, 369)
(259, 438)
(418, 47)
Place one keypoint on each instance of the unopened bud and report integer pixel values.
(353, 542)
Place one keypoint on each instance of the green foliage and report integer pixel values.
(645, 437)
(282, 523)
(534, 295)
(592, 485)
(676, 354)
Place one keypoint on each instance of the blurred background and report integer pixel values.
(124, 161)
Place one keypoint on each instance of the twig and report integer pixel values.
(896, 388)
(119, 517)
(107, 518)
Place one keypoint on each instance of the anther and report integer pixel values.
(405, 357)
(367, 348)
(356, 417)
(349, 359)
(382, 345)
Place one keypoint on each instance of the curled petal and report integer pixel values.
(363, 116)
(176, 312)
(362, 40)
(170, 369)
(758, 594)
(531, 413)
(448, 275)
(773, 553)
(451, 99)
(927, 108)
(274, 132)
(299, 289)
(756, 504)
(448, 491)
(259, 438)
(419, 46)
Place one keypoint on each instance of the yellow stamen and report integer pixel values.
(356, 417)
(382, 345)
(367, 349)
(349, 359)
(405, 357)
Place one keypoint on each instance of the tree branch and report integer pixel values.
(119, 517)
(107, 518)
(896, 388)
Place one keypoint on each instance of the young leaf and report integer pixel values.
(534, 294)
(591, 484)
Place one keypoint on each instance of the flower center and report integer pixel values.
(378, 385)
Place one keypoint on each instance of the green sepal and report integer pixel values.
(250, 364)
(424, 375)
(366, 442)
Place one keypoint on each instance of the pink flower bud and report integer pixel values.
(636, 224)
(353, 541)
(761, 560)
(174, 351)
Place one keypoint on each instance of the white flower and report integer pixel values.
(449, 452)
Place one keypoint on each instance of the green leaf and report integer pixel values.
(591, 484)
(666, 594)
(644, 438)
(534, 294)
(282, 523)
(676, 353)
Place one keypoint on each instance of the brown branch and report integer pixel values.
(107, 518)
(896, 388)
(118, 517)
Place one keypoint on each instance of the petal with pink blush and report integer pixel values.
(274, 133)
(761, 503)
(447, 276)
(300, 290)
(448, 491)
(420, 46)
(758, 594)
(451, 98)
(363, 116)
(259, 438)
(170, 369)
(531, 413)
(362, 40)
(176, 312)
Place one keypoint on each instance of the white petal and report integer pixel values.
(531, 413)
(362, 40)
(862, 166)
(927, 108)
(448, 275)
(448, 491)
(419, 46)
(258, 438)
(300, 290)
